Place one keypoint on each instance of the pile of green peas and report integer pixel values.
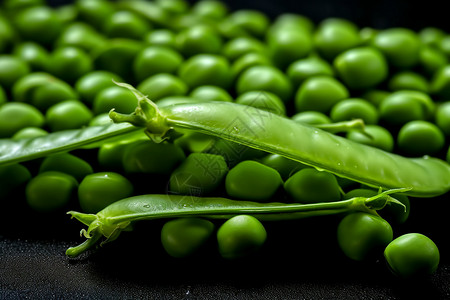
(57, 66)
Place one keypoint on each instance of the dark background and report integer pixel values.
(301, 260)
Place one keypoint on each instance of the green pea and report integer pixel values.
(361, 236)
(311, 118)
(265, 78)
(288, 45)
(7, 35)
(12, 69)
(35, 55)
(444, 45)
(408, 80)
(292, 21)
(198, 175)
(29, 132)
(114, 97)
(101, 119)
(98, 190)
(161, 37)
(361, 68)
(251, 180)
(334, 36)
(38, 24)
(440, 83)
(51, 93)
(375, 96)
(69, 63)
(431, 60)
(89, 85)
(67, 13)
(173, 6)
(412, 255)
(400, 46)
(82, 36)
(354, 108)
(367, 35)
(155, 59)
(183, 237)
(50, 191)
(195, 142)
(240, 236)
(431, 36)
(252, 22)
(68, 114)
(419, 138)
(24, 88)
(239, 46)
(233, 153)
(162, 85)
(66, 163)
(403, 106)
(116, 56)
(125, 24)
(286, 167)
(164, 158)
(206, 69)
(375, 136)
(13, 177)
(110, 156)
(247, 61)
(94, 12)
(442, 117)
(309, 185)
(263, 100)
(320, 93)
(304, 68)
(16, 115)
(211, 9)
(198, 39)
(211, 93)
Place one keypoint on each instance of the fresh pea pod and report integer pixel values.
(265, 131)
(119, 215)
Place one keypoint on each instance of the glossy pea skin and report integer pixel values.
(431, 60)
(354, 108)
(206, 69)
(210, 9)
(184, 237)
(265, 78)
(155, 59)
(29, 132)
(198, 175)
(69, 63)
(7, 35)
(114, 97)
(361, 68)
(35, 55)
(419, 138)
(380, 137)
(240, 236)
(66, 163)
(211, 93)
(412, 255)
(95, 12)
(109, 156)
(247, 61)
(161, 37)
(69, 114)
(198, 39)
(263, 100)
(251, 180)
(442, 117)
(285, 166)
(51, 93)
(309, 185)
(375, 96)
(239, 46)
(403, 106)
(11, 70)
(50, 191)
(251, 22)
(90, 84)
(16, 115)
(334, 36)
(80, 35)
(164, 158)
(408, 80)
(125, 24)
(440, 83)
(311, 118)
(362, 236)
(431, 36)
(400, 46)
(98, 190)
(304, 68)
(319, 93)
(12, 177)
(162, 85)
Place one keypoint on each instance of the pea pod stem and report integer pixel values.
(120, 215)
(255, 128)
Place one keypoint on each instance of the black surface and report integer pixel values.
(300, 260)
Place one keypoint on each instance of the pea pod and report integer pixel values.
(120, 215)
(426, 176)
